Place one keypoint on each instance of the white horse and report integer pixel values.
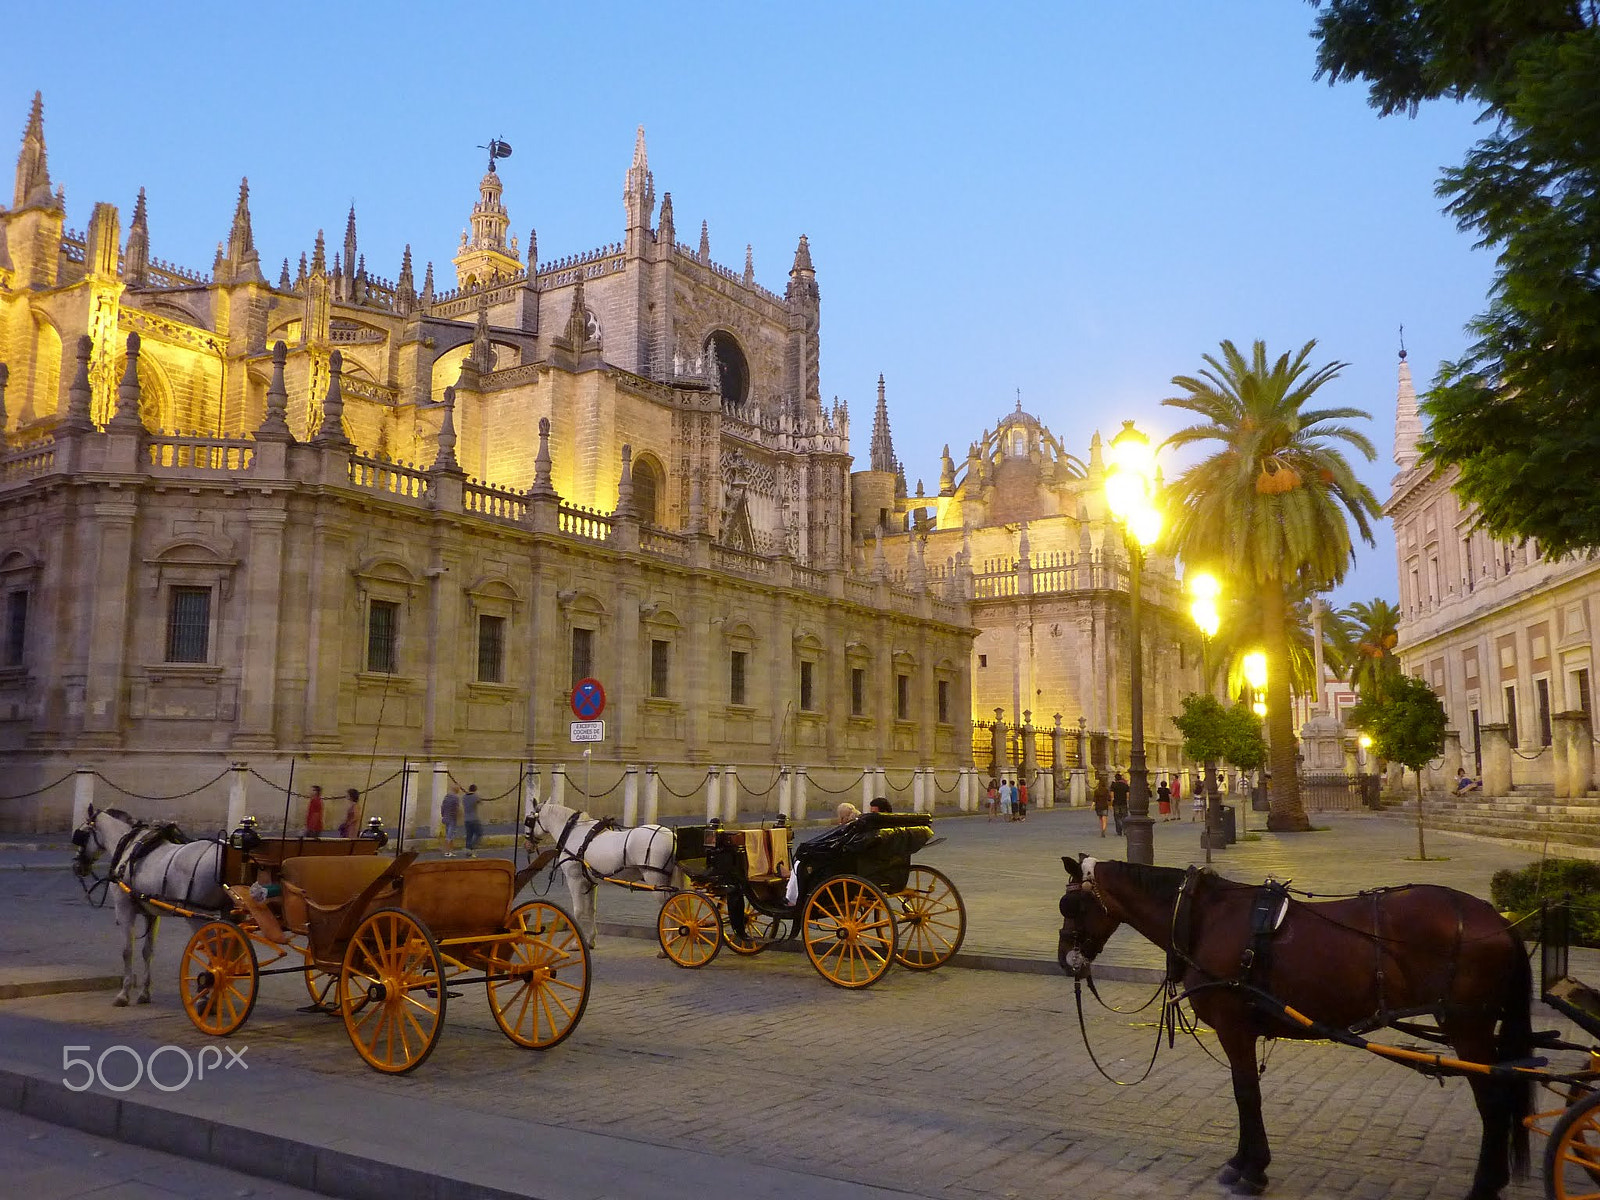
(146, 859)
(585, 854)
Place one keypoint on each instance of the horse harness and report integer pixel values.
(601, 825)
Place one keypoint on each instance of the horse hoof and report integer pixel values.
(1228, 1175)
(120, 1002)
(144, 999)
(1246, 1186)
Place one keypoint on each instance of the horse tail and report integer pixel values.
(1515, 1043)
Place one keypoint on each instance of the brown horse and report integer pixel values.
(1353, 964)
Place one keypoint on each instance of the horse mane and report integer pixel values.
(1160, 883)
(126, 818)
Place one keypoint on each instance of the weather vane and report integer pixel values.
(497, 148)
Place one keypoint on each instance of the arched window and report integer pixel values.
(646, 490)
(733, 371)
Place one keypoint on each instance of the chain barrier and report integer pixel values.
(366, 791)
(597, 795)
(895, 787)
(940, 788)
(827, 791)
(750, 791)
(694, 789)
(1539, 753)
(491, 799)
(41, 791)
(162, 799)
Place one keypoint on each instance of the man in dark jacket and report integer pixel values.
(1119, 801)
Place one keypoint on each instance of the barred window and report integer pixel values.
(582, 654)
(659, 651)
(16, 627)
(383, 627)
(944, 702)
(491, 649)
(858, 691)
(902, 697)
(807, 696)
(736, 691)
(189, 625)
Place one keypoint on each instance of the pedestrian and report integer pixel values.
(1011, 801)
(1022, 801)
(347, 827)
(1177, 796)
(449, 818)
(1119, 802)
(1199, 803)
(992, 800)
(1164, 800)
(314, 812)
(1102, 800)
(847, 812)
(880, 805)
(469, 814)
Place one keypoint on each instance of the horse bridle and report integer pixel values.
(83, 865)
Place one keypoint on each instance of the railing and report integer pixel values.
(361, 334)
(659, 541)
(587, 523)
(36, 458)
(376, 475)
(810, 579)
(489, 501)
(161, 273)
(739, 562)
(860, 591)
(195, 453)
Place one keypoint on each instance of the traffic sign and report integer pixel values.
(588, 731)
(588, 700)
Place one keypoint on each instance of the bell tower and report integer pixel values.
(483, 253)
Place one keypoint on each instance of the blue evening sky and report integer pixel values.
(1076, 200)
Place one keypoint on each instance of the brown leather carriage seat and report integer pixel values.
(459, 898)
(766, 854)
(325, 883)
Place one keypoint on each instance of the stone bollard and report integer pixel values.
(630, 795)
(713, 794)
(919, 796)
(797, 812)
(82, 795)
(785, 792)
(1078, 787)
(652, 796)
(558, 784)
(236, 796)
(530, 788)
(441, 785)
(730, 795)
(869, 784)
(1496, 760)
(410, 800)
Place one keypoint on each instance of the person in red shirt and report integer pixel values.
(314, 813)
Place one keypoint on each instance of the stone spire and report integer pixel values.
(126, 418)
(405, 288)
(350, 251)
(882, 454)
(482, 352)
(244, 264)
(705, 241)
(445, 460)
(136, 259)
(1407, 420)
(575, 335)
(285, 283)
(542, 488)
(101, 242)
(667, 235)
(802, 276)
(331, 432)
(625, 507)
(483, 254)
(80, 396)
(749, 264)
(427, 286)
(319, 255)
(533, 254)
(947, 473)
(219, 264)
(33, 172)
(275, 423)
(639, 189)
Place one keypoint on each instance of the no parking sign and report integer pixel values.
(588, 699)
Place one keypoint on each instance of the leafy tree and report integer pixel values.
(1519, 414)
(1373, 632)
(1407, 726)
(1246, 747)
(1268, 509)
(1213, 733)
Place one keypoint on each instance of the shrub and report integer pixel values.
(1573, 880)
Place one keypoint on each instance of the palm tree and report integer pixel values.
(1269, 508)
(1374, 633)
(1241, 632)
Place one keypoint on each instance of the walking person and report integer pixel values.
(1164, 800)
(314, 812)
(469, 814)
(1022, 801)
(1119, 801)
(992, 799)
(1102, 800)
(449, 819)
(1011, 801)
(347, 827)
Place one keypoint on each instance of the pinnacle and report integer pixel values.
(139, 217)
(36, 117)
(802, 256)
(640, 159)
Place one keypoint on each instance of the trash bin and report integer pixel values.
(1230, 826)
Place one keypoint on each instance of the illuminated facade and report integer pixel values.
(404, 531)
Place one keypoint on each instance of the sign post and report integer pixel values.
(588, 702)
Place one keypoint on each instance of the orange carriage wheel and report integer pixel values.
(689, 928)
(218, 978)
(1572, 1155)
(538, 983)
(391, 991)
(849, 931)
(760, 930)
(931, 918)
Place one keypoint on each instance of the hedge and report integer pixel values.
(1574, 880)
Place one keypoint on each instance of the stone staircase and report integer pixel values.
(1532, 819)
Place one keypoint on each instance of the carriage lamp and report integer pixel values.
(247, 835)
(376, 832)
(1130, 495)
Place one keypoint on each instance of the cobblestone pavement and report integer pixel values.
(47, 1162)
(949, 1084)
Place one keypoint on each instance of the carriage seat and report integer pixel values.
(766, 854)
(456, 898)
(1577, 1001)
(325, 884)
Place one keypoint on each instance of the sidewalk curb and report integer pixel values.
(59, 986)
(233, 1147)
(1013, 963)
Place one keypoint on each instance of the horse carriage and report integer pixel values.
(381, 941)
(1257, 962)
(852, 896)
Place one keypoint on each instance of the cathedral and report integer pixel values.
(334, 522)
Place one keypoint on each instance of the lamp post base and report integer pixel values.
(1141, 836)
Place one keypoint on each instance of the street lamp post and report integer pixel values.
(1203, 608)
(1129, 487)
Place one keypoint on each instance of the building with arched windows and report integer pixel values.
(339, 518)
